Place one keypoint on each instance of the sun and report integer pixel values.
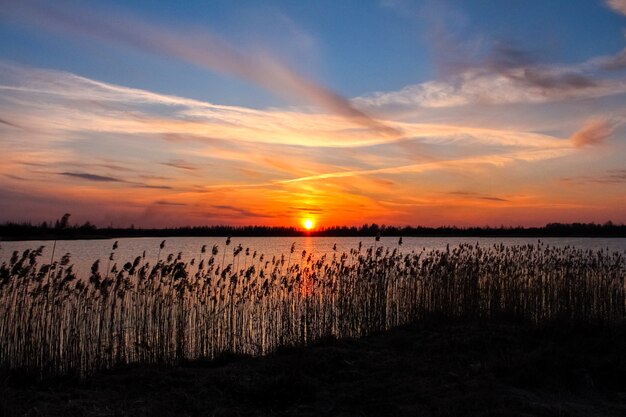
(308, 224)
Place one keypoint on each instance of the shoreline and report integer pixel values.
(51, 239)
(62, 231)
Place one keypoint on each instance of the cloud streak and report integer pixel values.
(477, 196)
(610, 177)
(618, 6)
(90, 177)
(180, 164)
(515, 63)
(494, 160)
(594, 132)
(103, 179)
(11, 124)
(239, 211)
(484, 86)
(203, 49)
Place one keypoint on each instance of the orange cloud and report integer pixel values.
(594, 132)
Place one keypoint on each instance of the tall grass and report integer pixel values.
(54, 323)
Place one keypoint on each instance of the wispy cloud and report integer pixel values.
(594, 132)
(476, 196)
(616, 62)
(610, 177)
(103, 178)
(154, 187)
(170, 203)
(11, 124)
(15, 177)
(201, 48)
(505, 86)
(478, 69)
(180, 164)
(617, 5)
(495, 160)
(90, 177)
(307, 209)
(511, 61)
(240, 211)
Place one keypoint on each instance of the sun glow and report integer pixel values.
(308, 224)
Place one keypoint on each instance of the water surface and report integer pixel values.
(85, 252)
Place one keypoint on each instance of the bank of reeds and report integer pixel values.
(237, 301)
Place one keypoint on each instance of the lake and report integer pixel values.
(85, 252)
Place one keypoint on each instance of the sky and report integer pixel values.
(398, 112)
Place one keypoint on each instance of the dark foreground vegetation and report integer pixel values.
(435, 368)
(233, 300)
(60, 230)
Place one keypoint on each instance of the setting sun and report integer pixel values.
(308, 224)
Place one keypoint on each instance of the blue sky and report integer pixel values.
(353, 47)
(344, 112)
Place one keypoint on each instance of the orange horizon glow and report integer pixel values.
(169, 161)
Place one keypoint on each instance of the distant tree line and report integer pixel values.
(62, 229)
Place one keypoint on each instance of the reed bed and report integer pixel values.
(234, 300)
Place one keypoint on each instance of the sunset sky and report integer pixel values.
(170, 113)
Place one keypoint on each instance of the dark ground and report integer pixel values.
(452, 369)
